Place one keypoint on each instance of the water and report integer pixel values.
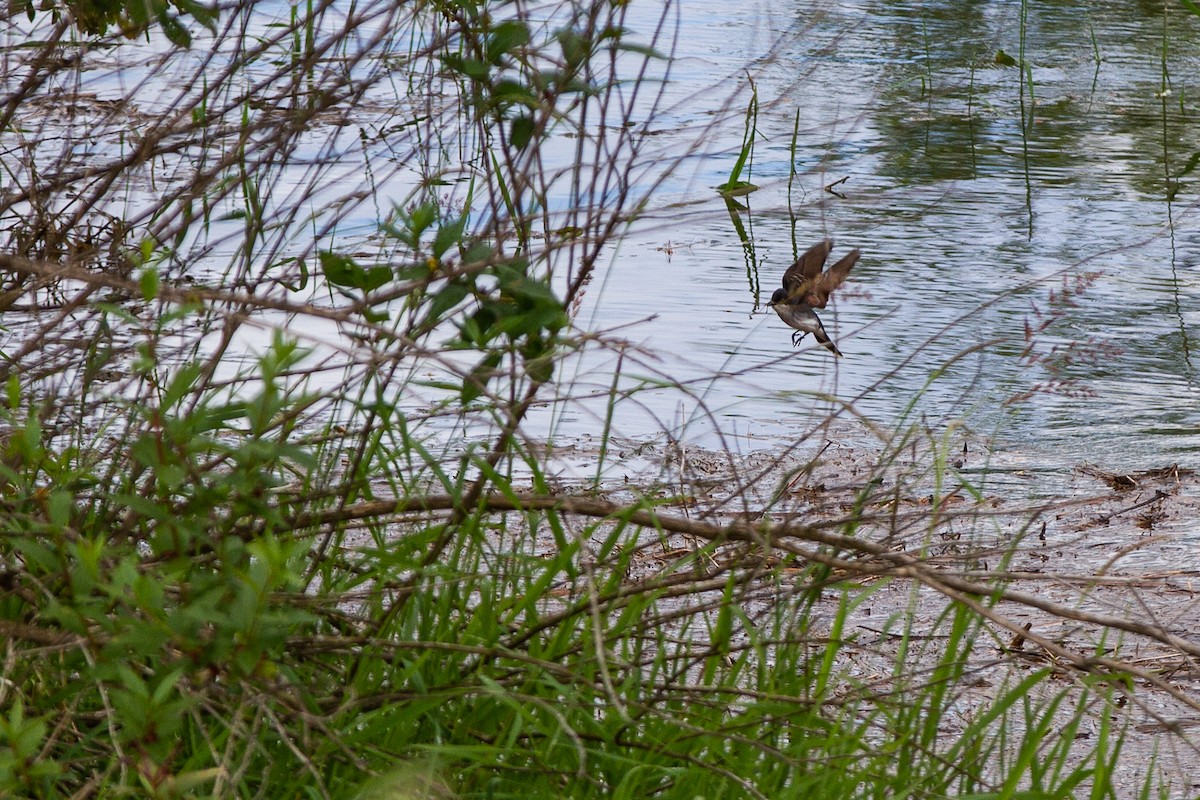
(966, 225)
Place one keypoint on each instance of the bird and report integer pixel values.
(806, 287)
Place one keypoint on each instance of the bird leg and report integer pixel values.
(798, 337)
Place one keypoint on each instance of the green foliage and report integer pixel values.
(21, 741)
(735, 186)
(163, 586)
(342, 271)
(514, 311)
(131, 17)
(501, 668)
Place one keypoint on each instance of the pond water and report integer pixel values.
(975, 191)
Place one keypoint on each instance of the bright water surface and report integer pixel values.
(966, 225)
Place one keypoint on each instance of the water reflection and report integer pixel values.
(968, 182)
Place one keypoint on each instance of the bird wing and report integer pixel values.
(807, 270)
(817, 292)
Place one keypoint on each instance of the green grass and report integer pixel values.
(491, 641)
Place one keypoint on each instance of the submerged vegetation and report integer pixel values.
(277, 312)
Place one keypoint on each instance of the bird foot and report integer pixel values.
(798, 337)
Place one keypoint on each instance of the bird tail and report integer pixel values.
(824, 339)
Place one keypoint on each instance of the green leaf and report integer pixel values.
(575, 47)
(522, 287)
(448, 235)
(472, 68)
(510, 92)
(540, 369)
(477, 328)
(302, 264)
(166, 687)
(552, 318)
(205, 15)
(24, 735)
(522, 324)
(642, 49)
(1004, 59)
(475, 383)
(422, 217)
(736, 188)
(176, 33)
(148, 281)
(412, 272)
(522, 132)
(477, 252)
(344, 271)
(751, 129)
(180, 386)
(376, 277)
(61, 507)
(443, 301)
(505, 38)
(341, 270)
(1190, 6)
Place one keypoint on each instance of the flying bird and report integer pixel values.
(806, 287)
